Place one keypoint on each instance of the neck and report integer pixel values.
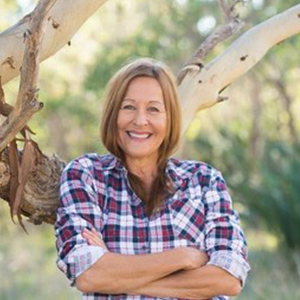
(145, 169)
(142, 167)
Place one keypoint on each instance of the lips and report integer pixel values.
(139, 135)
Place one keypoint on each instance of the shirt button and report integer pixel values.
(144, 247)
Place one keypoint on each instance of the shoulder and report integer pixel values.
(91, 162)
(200, 171)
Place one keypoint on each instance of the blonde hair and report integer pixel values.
(115, 93)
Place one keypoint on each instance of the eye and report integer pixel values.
(128, 106)
(153, 109)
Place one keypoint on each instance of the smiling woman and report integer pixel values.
(142, 99)
(142, 122)
(138, 224)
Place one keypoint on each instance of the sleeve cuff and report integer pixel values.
(232, 262)
(84, 258)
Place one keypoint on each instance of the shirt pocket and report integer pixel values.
(188, 220)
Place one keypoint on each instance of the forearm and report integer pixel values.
(202, 283)
(116, 273)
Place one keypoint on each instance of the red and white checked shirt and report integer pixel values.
(95, 192)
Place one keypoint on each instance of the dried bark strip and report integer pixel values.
(5, 108)
(27, 104)
(14, 164)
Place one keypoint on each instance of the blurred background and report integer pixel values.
(253, 138)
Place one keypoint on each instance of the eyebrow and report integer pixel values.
(151, 101)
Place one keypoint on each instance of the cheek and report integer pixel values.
(163, 126)
(123, 119)
(120, 122)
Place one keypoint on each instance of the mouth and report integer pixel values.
(140, 135)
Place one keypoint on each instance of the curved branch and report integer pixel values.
(66, 17)
(200, 90)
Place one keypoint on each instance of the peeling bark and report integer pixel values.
(27, 104)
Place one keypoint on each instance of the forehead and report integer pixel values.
(144, 89)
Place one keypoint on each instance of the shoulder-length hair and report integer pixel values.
(115, 93)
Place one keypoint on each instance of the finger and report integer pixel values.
(87, 233)
(93, 238)
(96, 242)
(93, 242)
(93, 232)
(97, 232)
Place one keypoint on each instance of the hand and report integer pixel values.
(94, 238)
(194, 258)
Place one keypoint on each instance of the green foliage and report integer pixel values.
(275, 197)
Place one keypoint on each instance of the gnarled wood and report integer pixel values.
(40, 198)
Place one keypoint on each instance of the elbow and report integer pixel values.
(83, 284)
(86, 283)
(234, 288)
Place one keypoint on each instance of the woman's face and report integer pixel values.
(142, 120)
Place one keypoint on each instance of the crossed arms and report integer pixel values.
(177, 273)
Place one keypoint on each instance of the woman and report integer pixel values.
(137, 224)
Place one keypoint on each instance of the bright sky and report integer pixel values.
(206, 24)
(26, 5)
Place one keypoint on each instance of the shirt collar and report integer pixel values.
(173, 169)
(175, 172)
(110, 162)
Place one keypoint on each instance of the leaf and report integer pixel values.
(27, 163)
(14, 174)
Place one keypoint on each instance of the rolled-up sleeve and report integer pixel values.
(225, 242)
(78, 209)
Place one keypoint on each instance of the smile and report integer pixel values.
(135, 135)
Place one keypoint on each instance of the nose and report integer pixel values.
(140, 118)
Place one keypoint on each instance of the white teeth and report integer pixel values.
(138, 135)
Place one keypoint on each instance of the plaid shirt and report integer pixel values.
(95, 192)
